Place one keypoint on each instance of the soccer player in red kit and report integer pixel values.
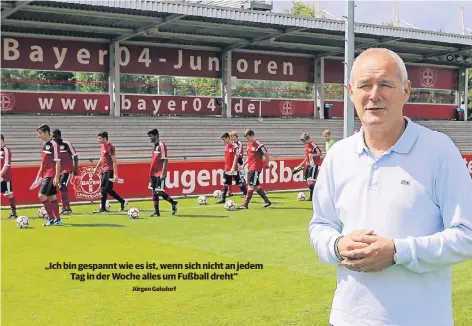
(312, 161)
(49, 174)
(231, 166)
(67, 153)
(5, 176)
(256, 151)
(158, 173)
(109, 172)
(241, 170)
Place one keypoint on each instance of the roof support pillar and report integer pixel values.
(226, 85)
(114, 79)
(319, 88)
(463, 91)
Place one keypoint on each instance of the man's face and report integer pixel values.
(304, 141)
(2, 142)
(101, 140)
(376, 89)
(227, 141)
(233, 138)
(326, 137)
(251, 139)
(43, 135)
(153, 138)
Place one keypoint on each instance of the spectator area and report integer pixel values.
(186, 137)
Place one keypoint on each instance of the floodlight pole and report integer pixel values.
(348, 60)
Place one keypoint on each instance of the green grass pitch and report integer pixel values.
(293, 288)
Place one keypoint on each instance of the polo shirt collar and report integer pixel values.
(403, 145)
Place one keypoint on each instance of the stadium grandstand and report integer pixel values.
(126, 198)
(187, 137)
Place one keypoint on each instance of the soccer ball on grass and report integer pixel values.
(230, 205)
(301, 196)
(22, 222)
(202, 200)
(133, 212)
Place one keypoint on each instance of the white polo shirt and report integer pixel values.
(418, 193)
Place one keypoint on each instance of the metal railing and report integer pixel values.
(245, 4)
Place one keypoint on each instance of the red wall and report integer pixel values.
(271, 67)
(272, 108)
(411, 110)
(57, 102)
(420, 76)
(179, 105)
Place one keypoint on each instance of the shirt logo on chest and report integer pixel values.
(405, 182)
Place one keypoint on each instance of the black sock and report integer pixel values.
(155, 201)
(311, 187)
(224, 192)
(103, 200)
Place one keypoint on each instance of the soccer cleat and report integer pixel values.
(267, 204)
(230, 194)
(101, 210)
(243, 207)
(220, 202)
(57, 222)
(66, 212)
(243, 196)
(49, 222)
(123, 205)
(12, 215)
(174, 208)
(155, 214)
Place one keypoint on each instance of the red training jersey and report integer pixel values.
(159, 154)
(67, 153)
(5, 159)
(107, 151)
(310, 149)
(255, 154)
(49, 158)
(231, 151)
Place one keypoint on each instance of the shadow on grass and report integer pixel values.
(292, 208)
(96, 225)
(200, 216)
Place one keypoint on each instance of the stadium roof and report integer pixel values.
(218, 28)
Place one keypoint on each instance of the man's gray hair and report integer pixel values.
(393, 55)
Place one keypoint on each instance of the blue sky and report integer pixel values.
(427, 15)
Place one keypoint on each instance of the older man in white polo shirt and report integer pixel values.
(392, 208)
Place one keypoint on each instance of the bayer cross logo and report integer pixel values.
(7, 101)
(86, 184)
(428, 77)
(287, 107)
